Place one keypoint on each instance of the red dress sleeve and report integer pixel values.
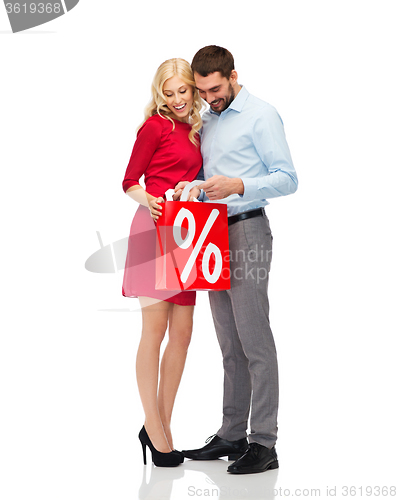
(148, 139)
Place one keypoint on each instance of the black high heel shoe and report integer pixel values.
(182, 456)
(171, 459)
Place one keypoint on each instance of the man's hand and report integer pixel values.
(220, 186)
(155, 208)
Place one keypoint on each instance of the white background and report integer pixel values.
(72, 95)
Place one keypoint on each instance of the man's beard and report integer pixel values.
(228, 100)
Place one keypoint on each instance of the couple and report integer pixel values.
(240, 152)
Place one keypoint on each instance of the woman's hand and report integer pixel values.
(155, 208)
(178, 189)
(193, 193)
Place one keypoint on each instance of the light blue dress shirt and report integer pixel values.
(247, 140)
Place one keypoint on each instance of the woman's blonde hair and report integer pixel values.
(157, 105)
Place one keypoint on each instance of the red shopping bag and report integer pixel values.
(192, 251)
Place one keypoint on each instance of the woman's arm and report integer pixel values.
(138, 194)
(148, 138)
(146, 143)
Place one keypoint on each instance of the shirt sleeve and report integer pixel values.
(201, 177)
(148, 139)
(280, 176)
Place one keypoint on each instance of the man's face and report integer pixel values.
(216, 90)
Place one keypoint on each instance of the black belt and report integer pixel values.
(244, 215)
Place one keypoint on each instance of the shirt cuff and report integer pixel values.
(201, 197)
(251, 189)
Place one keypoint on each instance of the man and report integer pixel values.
(246, 160)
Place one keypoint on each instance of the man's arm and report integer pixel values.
(270, 142)
(279, 177)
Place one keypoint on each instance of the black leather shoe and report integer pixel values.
(257, 458)
(217, 448)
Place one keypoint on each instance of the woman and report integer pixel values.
(166, 151)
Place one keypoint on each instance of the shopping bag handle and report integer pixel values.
(169, 194)
(185, 193)
(187, 188)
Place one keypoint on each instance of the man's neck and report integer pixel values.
(237, 88)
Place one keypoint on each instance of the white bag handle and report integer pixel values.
(169, 194)
(187, 188)
(185, 193)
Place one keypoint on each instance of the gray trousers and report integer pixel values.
(241, 320)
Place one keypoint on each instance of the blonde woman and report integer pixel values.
(166, 151)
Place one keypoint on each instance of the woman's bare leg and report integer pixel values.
(154, 324)
(173, 362)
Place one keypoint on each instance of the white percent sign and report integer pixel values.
(185, 243)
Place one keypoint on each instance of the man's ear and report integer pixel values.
(233, 77)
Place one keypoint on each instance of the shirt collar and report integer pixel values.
(237, 103)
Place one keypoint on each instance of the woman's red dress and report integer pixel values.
(164, 156)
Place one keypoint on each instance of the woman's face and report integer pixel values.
(179, 97)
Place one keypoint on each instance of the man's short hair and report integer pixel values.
(211, 59)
